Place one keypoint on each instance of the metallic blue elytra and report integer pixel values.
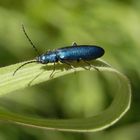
(71, 53)
(66, 54)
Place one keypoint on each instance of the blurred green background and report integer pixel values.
(114, 25)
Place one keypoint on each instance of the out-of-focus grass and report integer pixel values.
(52, 24)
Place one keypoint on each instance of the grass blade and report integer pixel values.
(36, 73)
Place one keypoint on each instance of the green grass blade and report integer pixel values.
(36, 73)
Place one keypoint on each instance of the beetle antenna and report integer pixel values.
(33, 61)
(23, 28)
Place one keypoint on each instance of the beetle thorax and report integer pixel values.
(50, 57)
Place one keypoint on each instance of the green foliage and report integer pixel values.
(51, 24)
(98, 122)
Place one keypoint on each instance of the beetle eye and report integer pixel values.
(43, 57)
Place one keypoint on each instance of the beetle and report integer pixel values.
(65, 54)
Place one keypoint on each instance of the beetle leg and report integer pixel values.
(68, 65)
(51, 75)
(74, 44)
(90, 65)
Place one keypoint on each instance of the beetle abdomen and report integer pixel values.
(80, 52)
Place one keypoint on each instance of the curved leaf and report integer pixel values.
(35, 73)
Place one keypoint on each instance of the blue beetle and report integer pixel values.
(66, 54)
(71, 53)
